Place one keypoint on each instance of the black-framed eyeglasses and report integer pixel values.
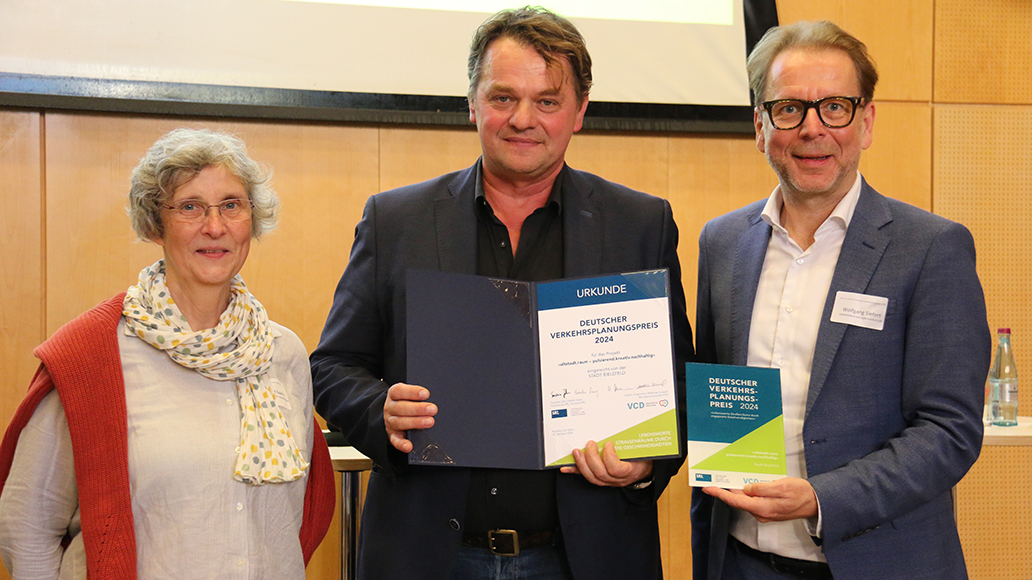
(834, 112)
(194, 210)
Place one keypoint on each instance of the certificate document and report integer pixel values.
(607, 366)
(523, 373)
(736, 430)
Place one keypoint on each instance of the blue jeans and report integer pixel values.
(540, 563)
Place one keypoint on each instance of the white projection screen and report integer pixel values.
(657, 64)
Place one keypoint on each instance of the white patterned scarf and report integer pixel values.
(238, 349)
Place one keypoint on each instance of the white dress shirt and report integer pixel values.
(191, 518)
(790, 298)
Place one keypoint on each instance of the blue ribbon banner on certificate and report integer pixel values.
(736, 431)
(523, 373)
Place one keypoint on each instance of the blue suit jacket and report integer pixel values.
(893, 417)
(412, 522)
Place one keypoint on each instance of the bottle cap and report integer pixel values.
(1003, 331)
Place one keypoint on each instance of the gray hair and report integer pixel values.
(819, 35)
(176, 158)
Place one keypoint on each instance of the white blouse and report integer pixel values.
(192, 519)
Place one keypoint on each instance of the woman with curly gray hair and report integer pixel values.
(169, 430)
(177, 158)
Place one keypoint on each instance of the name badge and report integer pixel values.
(860, 310)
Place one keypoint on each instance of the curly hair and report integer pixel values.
(176, 158)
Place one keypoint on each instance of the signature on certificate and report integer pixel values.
(652, 385)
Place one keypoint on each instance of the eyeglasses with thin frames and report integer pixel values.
(833, 112)
(194, 210)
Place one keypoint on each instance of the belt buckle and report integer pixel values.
(496, 537)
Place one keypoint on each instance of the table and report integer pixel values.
(994, 505)
(350, 463)
(1020, 434)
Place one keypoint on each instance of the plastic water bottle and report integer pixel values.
(1003, 383)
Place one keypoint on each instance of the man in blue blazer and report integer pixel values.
(518, 212)
(873, 312)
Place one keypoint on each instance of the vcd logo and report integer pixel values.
(636, 405)
(703, 477)
(556, 413)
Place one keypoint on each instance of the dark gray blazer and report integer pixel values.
(893, 417)
(412, 523)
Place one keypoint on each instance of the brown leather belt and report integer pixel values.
(507, 542)
(807, 569)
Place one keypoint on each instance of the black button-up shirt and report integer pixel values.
(510, 498)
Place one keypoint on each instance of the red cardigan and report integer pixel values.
(81, 360)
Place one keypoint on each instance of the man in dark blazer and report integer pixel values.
(872, 310)
(518, 212)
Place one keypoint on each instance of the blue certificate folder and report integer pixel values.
(473, 341)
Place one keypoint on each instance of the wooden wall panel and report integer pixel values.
(710, 176)
(92, 252)
(22, 226)
(637, 161)
(21, 258)
(983, 52)
(323, 175)
(994, 514)
(983, 179)
(414, 154)
(899, 36)
(899, 162)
